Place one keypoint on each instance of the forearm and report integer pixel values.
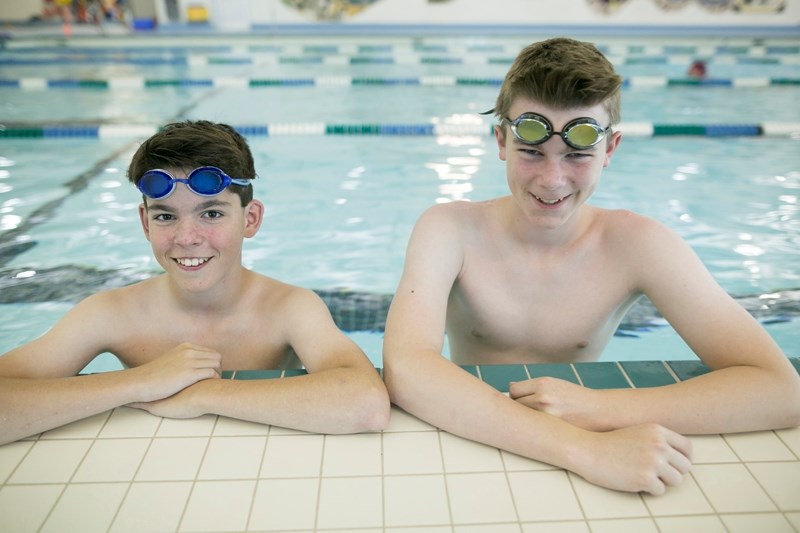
(437, 391)
(734, 399)
(31, 406)
(340, 400)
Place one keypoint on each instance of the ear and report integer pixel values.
(253, 217)
(144, 220)
(501, 141)
(611, 146)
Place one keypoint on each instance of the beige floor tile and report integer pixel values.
(284, 504)
(781, 481)
(556, 527)
(730, 488)
(600, 503)
(129, 422)
(791, 438)
(86, 508)
(412, 453)
(683, 499)
(112, 460)
(401, 421)
(352, 455)
(415, 500)
(711, 449)
(487, 528)
(24, 508)
(347, 503)
(544, 496)
(173, 459)
(218, 506)
(10, 456)
(463, 455)
(480, 498)
(155, 506)
(202, 426)
(749, 523)
(233, 458)
(87, 428)
(626, 525)
(432, 529)
(759, 446)
(794, 519)
(231, 427)
(690, 524)
(293, 456)
(51, 461)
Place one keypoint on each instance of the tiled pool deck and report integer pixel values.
(126, 470)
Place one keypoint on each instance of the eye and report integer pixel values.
(163, 217)
(212, 214)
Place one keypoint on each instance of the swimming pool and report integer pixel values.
(352, 140)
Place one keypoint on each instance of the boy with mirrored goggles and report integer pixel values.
(542, 276)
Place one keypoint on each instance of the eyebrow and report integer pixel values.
(160, 206)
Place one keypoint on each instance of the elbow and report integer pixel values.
(372, 409)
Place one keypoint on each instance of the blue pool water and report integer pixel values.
(340, 208)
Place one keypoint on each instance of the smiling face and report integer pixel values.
(198, 239)
(550, 181)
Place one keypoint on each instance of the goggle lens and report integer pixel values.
(581, 133)
(205, 181)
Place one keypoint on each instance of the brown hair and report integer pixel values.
(191, 144)
(561, 73)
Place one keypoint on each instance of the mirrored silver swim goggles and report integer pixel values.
(581, 133)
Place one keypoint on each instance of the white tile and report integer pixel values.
(293, 456)
(748, 523)
(129, 422)
(690, 524)
(480, 498)
(415, 500)
(86, 508)
(431, 529)
(626, 525)
(790, 437)
(514, 463)
(556, 527)
(399, 420)
(233, 458)
(350, 503)
(152, 507)
(218, 506)
(10, 456)
(51, 461)
(88, 428)
(759, 446)
(24, 508)
(352, 455)
(233, 427)
(202, 426)
(412, 453)
(284, 504)
(731, 489)
(112, 460)
(599, 502)
(487, 528)
(683, 499)
(544, 496)
(781, 481)
(462, 455)
(172, 459)
(711, 449)
(794, 519)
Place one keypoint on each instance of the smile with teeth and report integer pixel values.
(191, 261)
(551, 202)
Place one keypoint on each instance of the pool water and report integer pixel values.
(340, 208)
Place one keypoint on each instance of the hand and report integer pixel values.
(577, 405)
(179, 405)
(184, 365)
(644, 458)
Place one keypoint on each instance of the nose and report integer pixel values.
(551, 173)
(186, 233)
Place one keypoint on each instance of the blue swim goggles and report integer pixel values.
(533, 128)
(205, 181)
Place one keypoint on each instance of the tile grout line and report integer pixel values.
(446, 478)
(196, 473)
(319, 482)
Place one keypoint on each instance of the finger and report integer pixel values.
(681, 444)
(517, 389)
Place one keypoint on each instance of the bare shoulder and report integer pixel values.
(626, 229)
